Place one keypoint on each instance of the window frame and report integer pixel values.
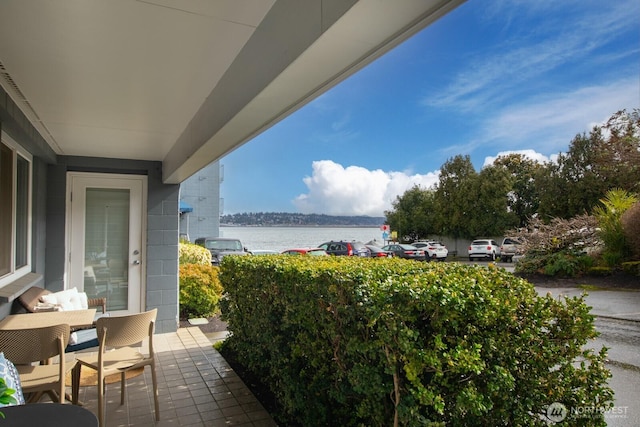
(19, 158)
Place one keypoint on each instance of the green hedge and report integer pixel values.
(344, 341)
(200, 290)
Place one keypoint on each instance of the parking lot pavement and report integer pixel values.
(615, 303)
(626, 411)
(618, 322)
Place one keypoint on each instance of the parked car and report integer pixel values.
(435, 251)
(346, 248)
(509, 249)
(305, 251)
(484, 248)
(405, 251)
(377, 252)
(263, 252)
(221, 247)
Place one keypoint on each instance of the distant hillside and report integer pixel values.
(298, 220)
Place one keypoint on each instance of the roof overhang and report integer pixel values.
(184, 81)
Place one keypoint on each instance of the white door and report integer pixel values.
(105, 236)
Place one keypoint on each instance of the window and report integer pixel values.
(6, 208)
(15, 210)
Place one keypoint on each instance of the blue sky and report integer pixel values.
(490, 77)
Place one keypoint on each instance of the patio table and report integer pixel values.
(74, 318)
(47, 414)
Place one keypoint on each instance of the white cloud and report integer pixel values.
(493, 75)
(354, 190)
(551, 122)
(529, 154)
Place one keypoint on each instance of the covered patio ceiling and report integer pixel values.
(186, 81)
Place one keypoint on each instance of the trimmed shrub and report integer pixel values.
(566, 263)
(200, 290)
(350, 342)
(188, 253)
(631, 225)
(631, 267)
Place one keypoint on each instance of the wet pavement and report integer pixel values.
(615, 303)
(617, 314)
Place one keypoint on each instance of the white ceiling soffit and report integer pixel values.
(186, 81)
(363, 33)
(120, 78)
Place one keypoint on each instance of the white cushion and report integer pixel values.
(84, 300)
(83, 336)
(45, 306)
(67, 300)
(73, 338)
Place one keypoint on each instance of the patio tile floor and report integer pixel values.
(196, 388)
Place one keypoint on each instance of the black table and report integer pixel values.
(47, 414)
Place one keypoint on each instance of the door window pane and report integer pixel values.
(107, 246)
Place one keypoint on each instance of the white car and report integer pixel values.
(435, 251)
(484, 248)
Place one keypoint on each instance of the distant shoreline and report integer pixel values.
(297, 220)
(299, 225)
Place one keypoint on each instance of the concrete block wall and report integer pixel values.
(202, 192)
(161, 288)
(162, 251)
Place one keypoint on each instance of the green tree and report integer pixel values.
(549, 185)
(523, 199)
(455, 196)
(413, 214)
(618, 160)
(489, 205)
(607, 158)
(571, 186)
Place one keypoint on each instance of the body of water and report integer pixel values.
(281, 238)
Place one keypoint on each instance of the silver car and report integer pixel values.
(509, 249)
(221, 247)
